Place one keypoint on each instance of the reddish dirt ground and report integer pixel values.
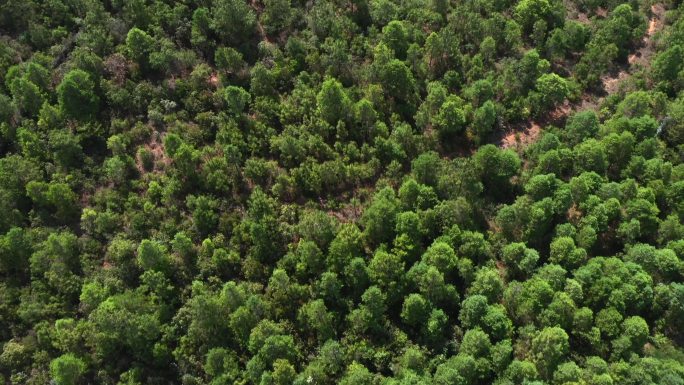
(156, 147)
(516, 138)
(258, 8)
(655, 24)
(214, 80)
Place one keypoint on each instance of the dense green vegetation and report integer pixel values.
(209, 192)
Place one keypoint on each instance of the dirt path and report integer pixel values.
(643, 55)
(519, 137)
(258, 8)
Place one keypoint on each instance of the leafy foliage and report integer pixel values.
(273, 192)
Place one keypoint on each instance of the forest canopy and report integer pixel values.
(370, 192)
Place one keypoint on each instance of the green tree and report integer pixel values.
(221, 365)
(528, 12)
(451, 118)
(552, 90)
(488, 282)
(484, 121)
(228, 59)
(565, 253)
(475, 343)
(233, 21)
(333, 103)
(67, 369)
(27, 96)
(77, 97)
(386, 270)
(15, 250)
(139, 45)
(357, 374)
(369, 316)
(58, 198)
(415, 310)
(635, 332)
(379, 219)
(519, 259)
(426, 168)
(581, 125)
(276, 15)
(397, 80)
(590, 155)
(549, 348)
(319, 227)
(667, 68)
(125, 321)
(346, 246)
(200, 32)
(394, 35)
(275, 348)
(152, 256)
(236, 99)
(204, 214)
(315, 316)
(473, 310)
(496, 167)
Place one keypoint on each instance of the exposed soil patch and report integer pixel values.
(583, 18)
(258, 8)
(117, 67)
(156, 148)
(574, 214)
(656, 24)
(521, 138)
(347, 214)
(262, 32)
(559, 114)
(214, 80)
(611, 83)
(588, 102)
(642, 57)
